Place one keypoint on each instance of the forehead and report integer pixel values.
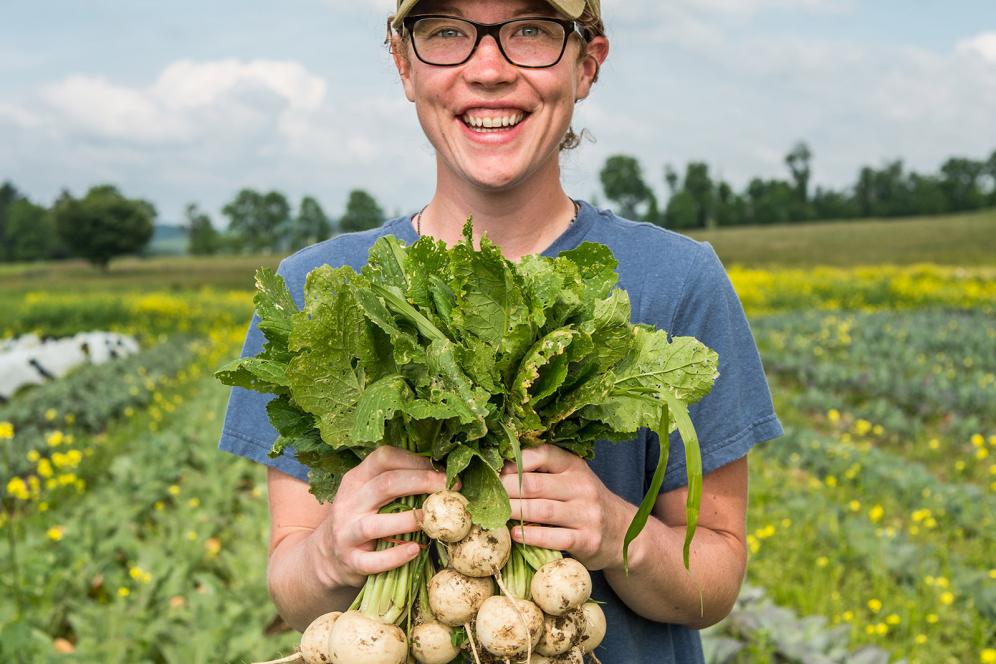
(469, 8)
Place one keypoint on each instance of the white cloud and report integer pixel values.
(189, 101)
(982, 45)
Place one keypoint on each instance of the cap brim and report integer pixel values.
(570, 8)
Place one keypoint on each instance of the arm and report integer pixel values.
(583, 517)
(320, 555)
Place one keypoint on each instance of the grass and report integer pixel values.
(965, 239)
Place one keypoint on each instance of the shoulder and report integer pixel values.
(658, 267)
(347, 249)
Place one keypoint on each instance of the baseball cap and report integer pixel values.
(571, 8)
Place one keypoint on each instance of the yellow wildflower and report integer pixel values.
(881, 629)
(876, 513)
(213, 546)
(17, 488)
(981, 453)
(139, 574)
(174, 490)
(854, 505)
(978, 440)
(831, 481)
(44, 468)
(123, 592)
(833, 415)
(893, 619)
(6, 431)
(51, 414)
(55, 533)
(875, 605)
(934, 444)
(55, 438)
(847, 616)
(932, 618)
(920, 639)
(32, 456)
(822, 561)
(988, 656)
(947, 598)
(194, 502)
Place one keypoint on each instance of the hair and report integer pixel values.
(591, 26)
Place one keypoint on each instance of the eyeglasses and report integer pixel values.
(446, 41)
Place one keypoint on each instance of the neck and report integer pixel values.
(523, 219)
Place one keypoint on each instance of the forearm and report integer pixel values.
(659, 587)
(300, 586)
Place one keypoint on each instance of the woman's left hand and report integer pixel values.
(571, 507)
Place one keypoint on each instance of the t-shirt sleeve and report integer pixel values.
(247, 431)
(738, 413)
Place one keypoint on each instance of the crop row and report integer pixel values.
(823, 550)
(160, 558)
(879, 287)
(145, 315)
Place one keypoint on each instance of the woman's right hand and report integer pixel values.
(346, 540)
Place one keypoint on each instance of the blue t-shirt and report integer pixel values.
(674, 283)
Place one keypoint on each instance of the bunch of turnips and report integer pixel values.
(459, 355)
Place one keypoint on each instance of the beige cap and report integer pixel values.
(571, 8)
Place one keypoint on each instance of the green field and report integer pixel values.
(967, 239)
(126, 536)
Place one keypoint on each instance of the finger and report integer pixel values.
(368, 563)
(387, 457)
(539, 485)
(544, 459)
(545, 512)
(558, 539)
(374, 526)
(393, 484)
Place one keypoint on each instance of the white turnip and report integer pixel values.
(509, 626)
(561, 585)
(481, 552)
(594, 627)
(455, 598)
(445, 516)
(432, 643)
(560, 632)
(316, 640)
(359, 639)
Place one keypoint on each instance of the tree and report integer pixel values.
(30, 232)
(8, 195)
(204, 240)
(622, 182)
(362, 213)
(960, 179)
(700, 187)
(104, 224)
(798, 161)
(682, 211)
(258, 221)
(311, 224)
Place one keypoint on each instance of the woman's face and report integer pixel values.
(450, 101)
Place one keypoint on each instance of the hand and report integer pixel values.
(577, 512)
(348, 536)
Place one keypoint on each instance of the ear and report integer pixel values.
(596, 51)
(404, 66)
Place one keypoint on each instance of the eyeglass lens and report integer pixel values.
(526, 42)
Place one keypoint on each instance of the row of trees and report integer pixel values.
(698, 199)
(105, 223)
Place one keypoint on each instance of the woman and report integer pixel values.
(496, 103)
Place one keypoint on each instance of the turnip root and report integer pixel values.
(560, 632)
(445, 516)
(454, 597)
(561, 585)
(432, 643)
(509, 626)
(572, 656)
(358, 639)
(594, 627)
(482, 552)
(316, 640)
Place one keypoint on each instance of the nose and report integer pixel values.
(487, 65)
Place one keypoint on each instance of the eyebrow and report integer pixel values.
(527, 11)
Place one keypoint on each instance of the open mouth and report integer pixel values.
(493, 122)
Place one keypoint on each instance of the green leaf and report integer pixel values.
(253, 373)
(487, 500)
(288, 419)
(378, 403)
(650, 499)
(693, 466)
(274, 306)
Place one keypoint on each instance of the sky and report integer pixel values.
(186, 101)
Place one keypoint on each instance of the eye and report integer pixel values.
(531, 30)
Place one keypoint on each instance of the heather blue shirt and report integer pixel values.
(674, 283)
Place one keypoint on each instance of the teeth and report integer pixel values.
(493, 123)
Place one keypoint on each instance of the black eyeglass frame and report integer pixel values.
(494, 29)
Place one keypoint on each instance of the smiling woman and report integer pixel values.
(494, 84)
